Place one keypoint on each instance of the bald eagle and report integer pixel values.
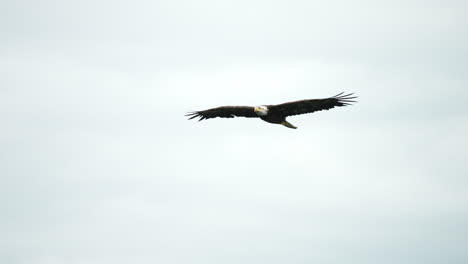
(276, 114)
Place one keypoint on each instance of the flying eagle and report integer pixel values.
(276, 114)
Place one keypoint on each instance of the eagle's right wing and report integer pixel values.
(224, 111)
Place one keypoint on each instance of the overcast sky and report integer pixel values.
(99, 165)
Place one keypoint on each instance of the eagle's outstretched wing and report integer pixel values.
(224, 111)
(313, 105)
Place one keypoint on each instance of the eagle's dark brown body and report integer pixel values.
(276, 114)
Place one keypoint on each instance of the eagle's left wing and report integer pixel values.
(313, 105)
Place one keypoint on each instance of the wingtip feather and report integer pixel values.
(346, 99)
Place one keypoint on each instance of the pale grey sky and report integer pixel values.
(99, 165)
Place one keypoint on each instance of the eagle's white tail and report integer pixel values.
(287, 124)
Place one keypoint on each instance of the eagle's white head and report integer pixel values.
(261, 110)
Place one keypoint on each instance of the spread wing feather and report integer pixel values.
(224, 111)
(313, 105)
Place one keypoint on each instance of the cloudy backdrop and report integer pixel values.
(99, 165)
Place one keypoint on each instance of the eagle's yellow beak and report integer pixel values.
(256, 109)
